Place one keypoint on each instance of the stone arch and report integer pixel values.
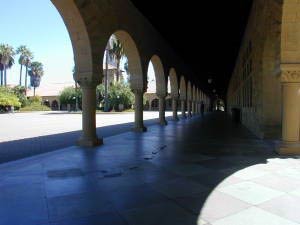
(189, 91)
(174, 83)
(290, 38)
(134, 61)
(80, 39)
(183, 91)
(161, 85)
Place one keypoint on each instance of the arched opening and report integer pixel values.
(154, 104)
(157, 85)
(160, 80)
(219, 105)
(151, 86)
(46, 103)
(79, 38)
(160, 84)
(54, 105)
(44, 59)
(122, 73)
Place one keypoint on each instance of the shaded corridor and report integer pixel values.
(195, 171)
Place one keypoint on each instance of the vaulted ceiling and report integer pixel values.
(206, 34)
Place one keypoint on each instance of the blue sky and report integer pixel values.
(38, 25)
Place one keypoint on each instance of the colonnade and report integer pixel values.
(89, 137)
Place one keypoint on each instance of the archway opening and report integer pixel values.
(114, 93)
(219, 105)
(41, 64)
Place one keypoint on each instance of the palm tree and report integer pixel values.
(27, 65)
(25, 55)
(107, 51)
(1, 70)
(36, 72)
(117, 52)
(7, 60)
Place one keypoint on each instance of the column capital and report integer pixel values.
(290, 73)
(87, 82)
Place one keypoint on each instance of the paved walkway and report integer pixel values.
(193, 172)
(41, 132)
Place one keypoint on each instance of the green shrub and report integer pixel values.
(19, 91)
(35, 106)
(69, 95)
(8, 98)
(120, 94)
(35, 99)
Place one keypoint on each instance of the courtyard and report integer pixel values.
(40, 132)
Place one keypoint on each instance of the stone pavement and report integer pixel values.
(41, 132)
(193, 172)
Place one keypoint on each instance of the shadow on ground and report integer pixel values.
(199, 171)
(18, 149)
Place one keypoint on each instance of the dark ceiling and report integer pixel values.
(206, 34)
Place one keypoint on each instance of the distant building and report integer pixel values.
(50, 94)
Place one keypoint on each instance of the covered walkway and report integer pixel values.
(195, 171)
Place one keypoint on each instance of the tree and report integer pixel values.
(117, 52)
(7, 60)
(36, 72)
(25, 57)
(1, 71)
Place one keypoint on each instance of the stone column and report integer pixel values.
(183, 114)
(290, 113)
(89, 136)
(194, 107)
(138, 111)
(189, 108)
(162, 109)
(174, 108)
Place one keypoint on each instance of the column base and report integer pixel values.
(89, 142)
(288, 148)
(139, 129)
